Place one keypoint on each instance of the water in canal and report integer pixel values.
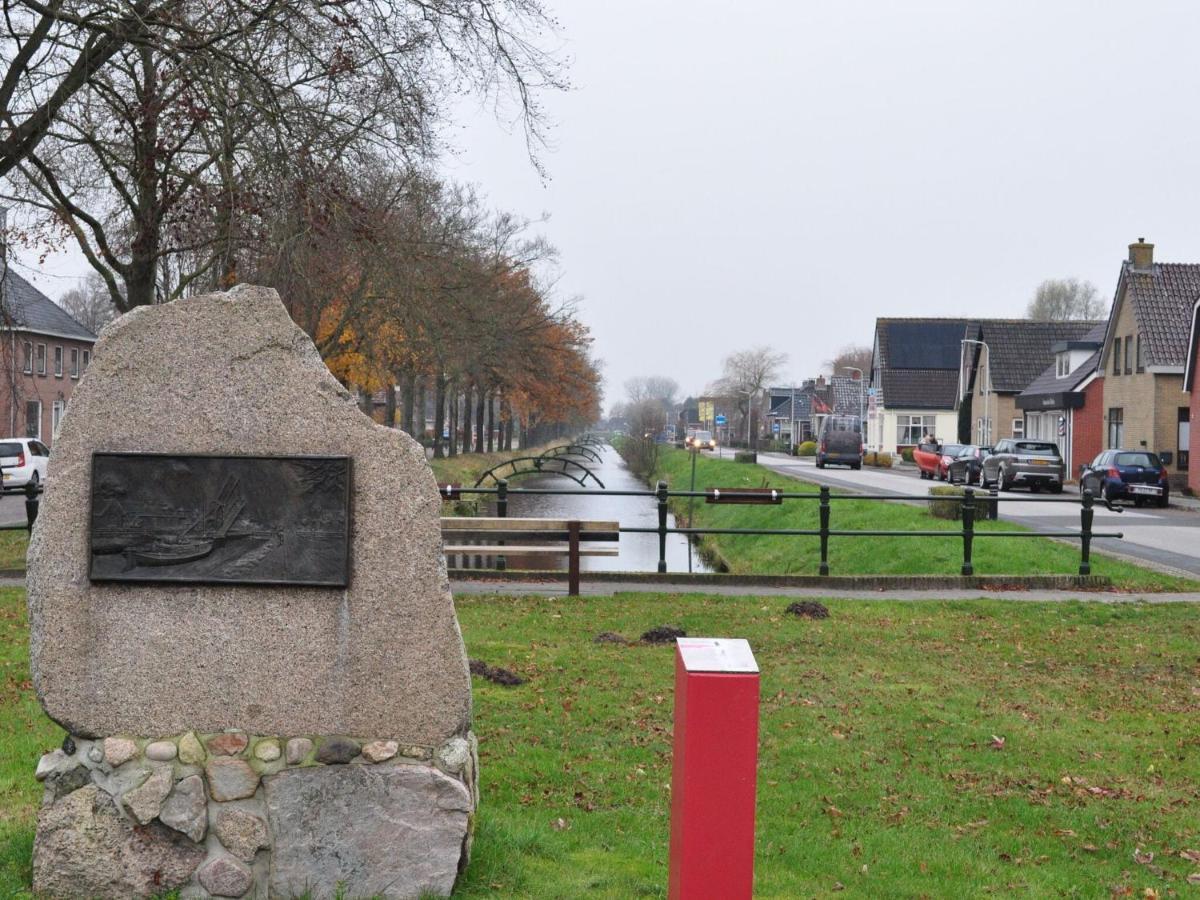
(638, 552)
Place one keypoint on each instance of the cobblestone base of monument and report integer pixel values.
(237, 815)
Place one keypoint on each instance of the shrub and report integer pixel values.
(745, 456)
(906, 454)
(808, 448)
(875, 458)
(951, 507)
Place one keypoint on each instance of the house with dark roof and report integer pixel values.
(1064, 403)
(45, 353)
(1144, 358)
(1191, 384)
(1004, 357)
(915, 377)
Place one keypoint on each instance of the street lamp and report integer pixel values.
(862, 420)
(985, 390)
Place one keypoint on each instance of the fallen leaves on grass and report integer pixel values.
(495, 674)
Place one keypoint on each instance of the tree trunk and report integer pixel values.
(506, 413)
(491, 423)
(410, 396)
(452, 400)
(389, 406)
(147, 223)
(419, 410)
(479, 419)
(439, 415)
(466, 435)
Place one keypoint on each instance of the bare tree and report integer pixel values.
(1065, 299)
(746, 375)
(852, 355)
(659, 388)
(90, 304)
(162, 160)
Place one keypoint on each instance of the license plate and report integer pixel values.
(1041, 462)
(7, 477)
(1142, 489)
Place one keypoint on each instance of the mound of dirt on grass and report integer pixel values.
(809, 609)
(495, 674)
(609, 637)
(663, 634)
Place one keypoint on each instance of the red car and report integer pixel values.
(928, 457)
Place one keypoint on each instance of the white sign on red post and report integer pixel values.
(714, 772)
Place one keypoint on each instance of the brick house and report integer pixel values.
(43, 352)
(1191, 384)
(1065, 403)
(1018, 352)
(1144, 356)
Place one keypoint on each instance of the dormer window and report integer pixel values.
(1062, 364)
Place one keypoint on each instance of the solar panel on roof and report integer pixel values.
(924, 345)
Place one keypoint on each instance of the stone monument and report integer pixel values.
(240, 613)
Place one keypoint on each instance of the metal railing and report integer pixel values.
(969, 505)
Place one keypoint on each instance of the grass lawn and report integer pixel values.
(878, 775)
(761, 554)
(13, 545)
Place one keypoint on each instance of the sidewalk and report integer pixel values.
(604, 589)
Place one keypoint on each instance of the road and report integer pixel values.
(1165, 537)
(12, 509)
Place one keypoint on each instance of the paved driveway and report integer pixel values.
(1166, 537)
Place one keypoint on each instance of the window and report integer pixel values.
(41, 359)
(33, 418)
(74, 362)
(983, 431)
(87, 357)
(29, 357)
(1018, 428)
(1183, 438)
(910, 429)
(1116, 354)
(1141, 363)
(57, 408)
(1061, 365)
(1116, 426)
(58, 361)
(1128, 354)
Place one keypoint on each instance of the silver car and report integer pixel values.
(1020, 463)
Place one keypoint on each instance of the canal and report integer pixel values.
(638, 552)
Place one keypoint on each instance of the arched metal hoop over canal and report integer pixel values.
(572, 450)
(541, 465)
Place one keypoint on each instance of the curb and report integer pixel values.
(835, 582)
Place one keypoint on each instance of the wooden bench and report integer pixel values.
(500, 537)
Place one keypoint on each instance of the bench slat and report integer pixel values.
(517, 550)
(481, 523)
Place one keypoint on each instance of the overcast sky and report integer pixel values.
(725, 175)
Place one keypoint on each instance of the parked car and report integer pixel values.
(840, 442)
(701, 440)
(928, 457)
(1126, 475)
(23, 461)
(965, 467)
(1020, 463)
(948, 453)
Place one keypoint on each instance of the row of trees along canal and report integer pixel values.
(293, 143)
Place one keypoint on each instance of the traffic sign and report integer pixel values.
(775, 427)
(720, 420)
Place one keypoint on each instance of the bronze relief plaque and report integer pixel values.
(278, 520)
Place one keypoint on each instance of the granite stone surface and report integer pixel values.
(373, 830)
(230, 373)
(86, 848)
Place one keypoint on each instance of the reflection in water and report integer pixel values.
(638, 552)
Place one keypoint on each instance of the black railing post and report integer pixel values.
(501, 513)
(31, 506)
(661, 492)
(1086, 514)
(823, 512)
(968, 520)
(993, 505)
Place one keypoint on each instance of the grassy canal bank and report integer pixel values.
(907, 749)
(781, 555)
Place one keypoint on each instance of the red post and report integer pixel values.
(714, 774)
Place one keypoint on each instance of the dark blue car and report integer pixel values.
(1135, 475)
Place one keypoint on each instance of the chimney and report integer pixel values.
(1141, 255)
